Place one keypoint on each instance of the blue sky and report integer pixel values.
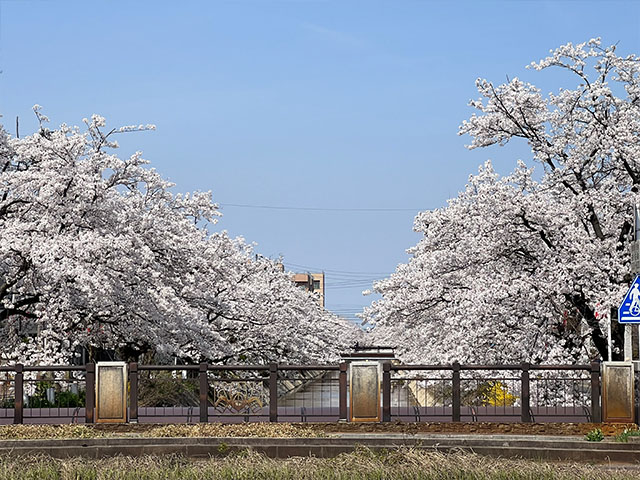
(305, 104)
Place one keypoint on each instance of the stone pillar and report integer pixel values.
(364, 383)
(111, 392)
(618, 395)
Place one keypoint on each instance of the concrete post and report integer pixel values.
(628, 346)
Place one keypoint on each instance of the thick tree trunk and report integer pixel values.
(598, 338)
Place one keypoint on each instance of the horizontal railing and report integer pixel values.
(495, 395)
(42, 407)
(281, 392)
(244, 392)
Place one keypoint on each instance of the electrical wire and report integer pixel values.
(342, 272)
(321, 209)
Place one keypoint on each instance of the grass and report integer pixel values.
(18, 432)
(233, 430)
(361, 464)
(594, 435)
(30, 432)
(628, 432)
(302, 430)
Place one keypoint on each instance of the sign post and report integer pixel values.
(618, 391)
(629, 313)
(635, 266)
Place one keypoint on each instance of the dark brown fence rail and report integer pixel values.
(47, 394)
(7, 394)
(524, 393)
(307, 393)
(243, 393)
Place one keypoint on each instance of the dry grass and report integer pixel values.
(362, 464)
(303, 430)
(29, 432)
(272, 430)
(11, 432)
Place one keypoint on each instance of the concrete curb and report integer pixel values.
(508, 446)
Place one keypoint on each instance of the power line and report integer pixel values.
(355, 281)
(327, 270)
(347, 287)
(322, 209)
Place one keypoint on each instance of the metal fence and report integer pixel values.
(47, 394)
(7, 395)
(238, 393)
(310, 394)
(307, 393)
(520, 393)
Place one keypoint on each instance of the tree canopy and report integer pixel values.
(96, 251)
(530, 266)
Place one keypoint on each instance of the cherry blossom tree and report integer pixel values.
(531, 266)
(97, 252)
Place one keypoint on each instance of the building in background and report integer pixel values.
(312, 282)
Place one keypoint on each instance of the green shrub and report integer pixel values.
(164, 389)
(63, 398)
(624, 436)
(595, 435)
(70, 399)
(39, 398)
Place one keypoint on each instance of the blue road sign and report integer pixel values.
(629, 311)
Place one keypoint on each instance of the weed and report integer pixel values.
(624, 436)
(595, 435)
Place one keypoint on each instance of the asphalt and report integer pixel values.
(507, 446)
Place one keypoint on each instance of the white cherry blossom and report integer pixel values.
(531, 266)
(96, 251)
